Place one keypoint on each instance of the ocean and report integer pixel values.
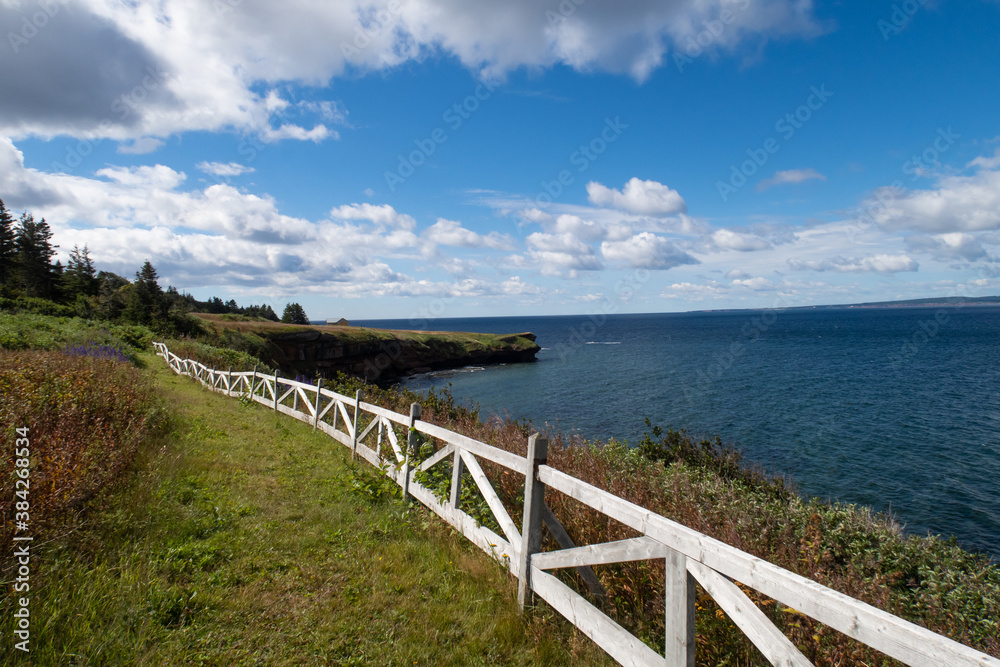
(894, 408)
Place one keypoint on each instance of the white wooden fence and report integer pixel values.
(690, 556)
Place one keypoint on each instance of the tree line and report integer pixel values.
(30, 280)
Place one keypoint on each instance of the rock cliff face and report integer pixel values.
(384, 356)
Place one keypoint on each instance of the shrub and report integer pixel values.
(85, 418)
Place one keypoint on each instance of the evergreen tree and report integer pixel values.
(294, 314)
(34, 256)
(146, 303)
(81, 275)
(267, 312)
(8, 246)
(112, 294)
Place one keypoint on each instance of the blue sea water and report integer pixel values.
(897, 409)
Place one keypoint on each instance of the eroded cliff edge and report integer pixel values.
(378, 355)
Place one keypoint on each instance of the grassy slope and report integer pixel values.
(245, 538)
(466, 340)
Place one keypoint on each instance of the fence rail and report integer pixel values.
(689, 556)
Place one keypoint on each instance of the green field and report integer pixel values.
(244, 538)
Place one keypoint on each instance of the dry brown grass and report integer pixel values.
(926, 580)
(85, 418)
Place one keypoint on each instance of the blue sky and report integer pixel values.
(410, 157)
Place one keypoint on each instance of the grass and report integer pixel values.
(242, 532)
(242, 537)
(701, 484)
(86, 418)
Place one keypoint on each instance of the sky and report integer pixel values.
(451, 158)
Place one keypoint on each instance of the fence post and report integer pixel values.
(531, 525)
(411, 445)
(457, 470)
(229, 382)
(680, 601)
(319, 390)
(253, 382)
(357, 411)
(277, 373)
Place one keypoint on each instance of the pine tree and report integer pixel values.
(8, 246)
(294, 314)
(80, 275)
(146, 303)
(34, 256)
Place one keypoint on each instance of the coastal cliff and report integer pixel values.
(377, 355)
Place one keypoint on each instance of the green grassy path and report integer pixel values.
(244, 538)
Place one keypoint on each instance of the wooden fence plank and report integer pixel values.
(566, 542)
(775, 646)
(705, 557)
(889, 634)
(402, 420)
(347, 418)
(613, 638)
(500, 456)
(622, 551)
(531, 522)
(438, 456)
(679, 596)
(493, 500)
(457, 471)
(306, 400)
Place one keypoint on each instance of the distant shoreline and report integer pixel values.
(954, 302)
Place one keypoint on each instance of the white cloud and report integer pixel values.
(647, 251)
(948, 247)
(727, 239)
(873, 264)
(987, 162)
(710, 288)
(561, 254)
(640, 197)
(222, 169)
(452, 233)
(956, 204)
(155, 69)
(757, 284)
(789, 176)
(140, 146)
(383, 214)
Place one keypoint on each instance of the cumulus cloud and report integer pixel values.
(693, 289)
(789, 176)
(640, 197)
(222, 169)
(217, 65)
(956, 204)
(728, 239)
(452, 233)
(757, 284)
(646, 250)
(873, 264)
(220, 236)
(561, 254)
(383, 215)
(948, 247)
(987, 162)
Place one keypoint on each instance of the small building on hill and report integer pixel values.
(339, 323)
